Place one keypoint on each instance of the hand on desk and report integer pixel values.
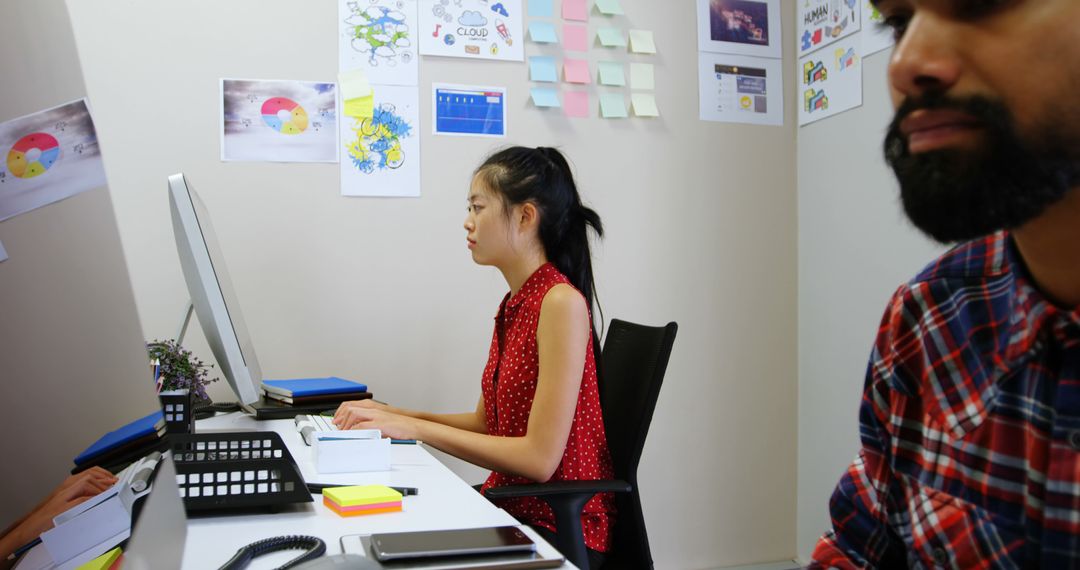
(72, 491)
(368, 414)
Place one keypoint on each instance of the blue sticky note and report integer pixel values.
(543, 32)
(540, 9)
(545, 97)
(542, 68)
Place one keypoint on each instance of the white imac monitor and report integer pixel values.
(211, 291)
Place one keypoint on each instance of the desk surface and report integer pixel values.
(445, 501)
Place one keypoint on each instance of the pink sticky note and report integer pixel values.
(576, 71)
(576, 103)
(575, 37)
(575, 10)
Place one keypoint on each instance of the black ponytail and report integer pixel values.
(543, 177)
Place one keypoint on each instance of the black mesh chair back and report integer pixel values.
(633, 363)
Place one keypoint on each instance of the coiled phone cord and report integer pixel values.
(314, 546)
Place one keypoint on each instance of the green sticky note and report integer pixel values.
(641, 76)
(609, 7)
(612, 106)
(641, 41)
(545, 97)
(611, 37)
(644, 105)
(611, 73)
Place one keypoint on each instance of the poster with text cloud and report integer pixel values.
(278, 121)
(744, 27)
(379, 36)
(740, 89)
(822, 22)
(876, 36)
(49, 156)
(473, 29)
(380, 156)
(830, 81)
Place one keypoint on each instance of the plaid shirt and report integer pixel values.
(970, 426)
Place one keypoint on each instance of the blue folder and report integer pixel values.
(302, 387)
(137, 429)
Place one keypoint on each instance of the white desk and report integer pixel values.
(444, 502)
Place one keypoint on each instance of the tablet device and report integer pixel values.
(545, 556)
(456, 542)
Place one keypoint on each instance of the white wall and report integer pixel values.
(701, 221)
(855, 248)
(72, 363)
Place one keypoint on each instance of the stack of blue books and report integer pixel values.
(314, 390)
(125, 444)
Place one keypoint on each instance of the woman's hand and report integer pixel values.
(72, 491)
(365, 414)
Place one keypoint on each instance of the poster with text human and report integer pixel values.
(822, 22)
(830, 81)
(740, 89)
(380, 155)
(379, 36)
(876, 36)
(278, 121)
(50, 155)
(745, 27)
(473, 29)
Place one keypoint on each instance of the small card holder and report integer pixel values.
(350, 451)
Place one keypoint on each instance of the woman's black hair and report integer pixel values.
(542, 176)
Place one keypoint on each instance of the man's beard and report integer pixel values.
(961, 194)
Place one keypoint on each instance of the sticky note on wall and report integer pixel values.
(609, 7)
(357, 94)
(641, 76)
(612, 106)
(576, 104)
(611, 37)
(545, 97)
(542, 68)
(577, 71)
(543, 32)
(575, 37)
(644, 105)
(611, 73)
(641, 41)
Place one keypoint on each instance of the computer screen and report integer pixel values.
(211, 291)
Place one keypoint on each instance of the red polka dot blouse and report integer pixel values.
(509, 384)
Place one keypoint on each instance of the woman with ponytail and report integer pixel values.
(539, 417)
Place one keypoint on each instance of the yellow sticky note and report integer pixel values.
(361, 495)
(641, 41)
(644, 105)
(357, 94)
(641, 76)
(102, 562)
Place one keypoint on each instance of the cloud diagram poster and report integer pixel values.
(476, 29)
(379, 36)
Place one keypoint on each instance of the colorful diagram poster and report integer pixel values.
(830, 81)
(381, 155)
(477, 29)
(470, 111)
(379, 36)
(822, 22)
(278, 121)
(745, 27)
(876, 36)
(740, 89)
(49, 156)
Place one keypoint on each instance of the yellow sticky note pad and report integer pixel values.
(644, 105)
(357, 94)
(361, 495)
(103, 562)
(641, 41)
(641, 76)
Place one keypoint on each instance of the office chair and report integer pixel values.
(633, 362)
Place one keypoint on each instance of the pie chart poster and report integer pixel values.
(278, 121)
(48, 156)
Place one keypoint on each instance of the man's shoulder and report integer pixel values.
(983, 258)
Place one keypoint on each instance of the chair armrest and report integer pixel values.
(558, 488)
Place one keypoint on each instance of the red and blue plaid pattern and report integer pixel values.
(970, 426)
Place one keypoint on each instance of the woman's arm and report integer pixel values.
(474, 421)
(562, 336)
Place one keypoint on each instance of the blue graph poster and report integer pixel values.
(469, 111)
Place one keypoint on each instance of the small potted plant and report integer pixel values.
(181, 380)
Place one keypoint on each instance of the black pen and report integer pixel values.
(22, 549)
(318, 488)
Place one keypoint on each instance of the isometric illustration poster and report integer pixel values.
(50, 155)
(278, 121)
(821, 22)
(876, 36)
(744, 27)
(830, 81)
(468, 110)
(381, 154)
(379, 36)
(740, 89)
(475, 29)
